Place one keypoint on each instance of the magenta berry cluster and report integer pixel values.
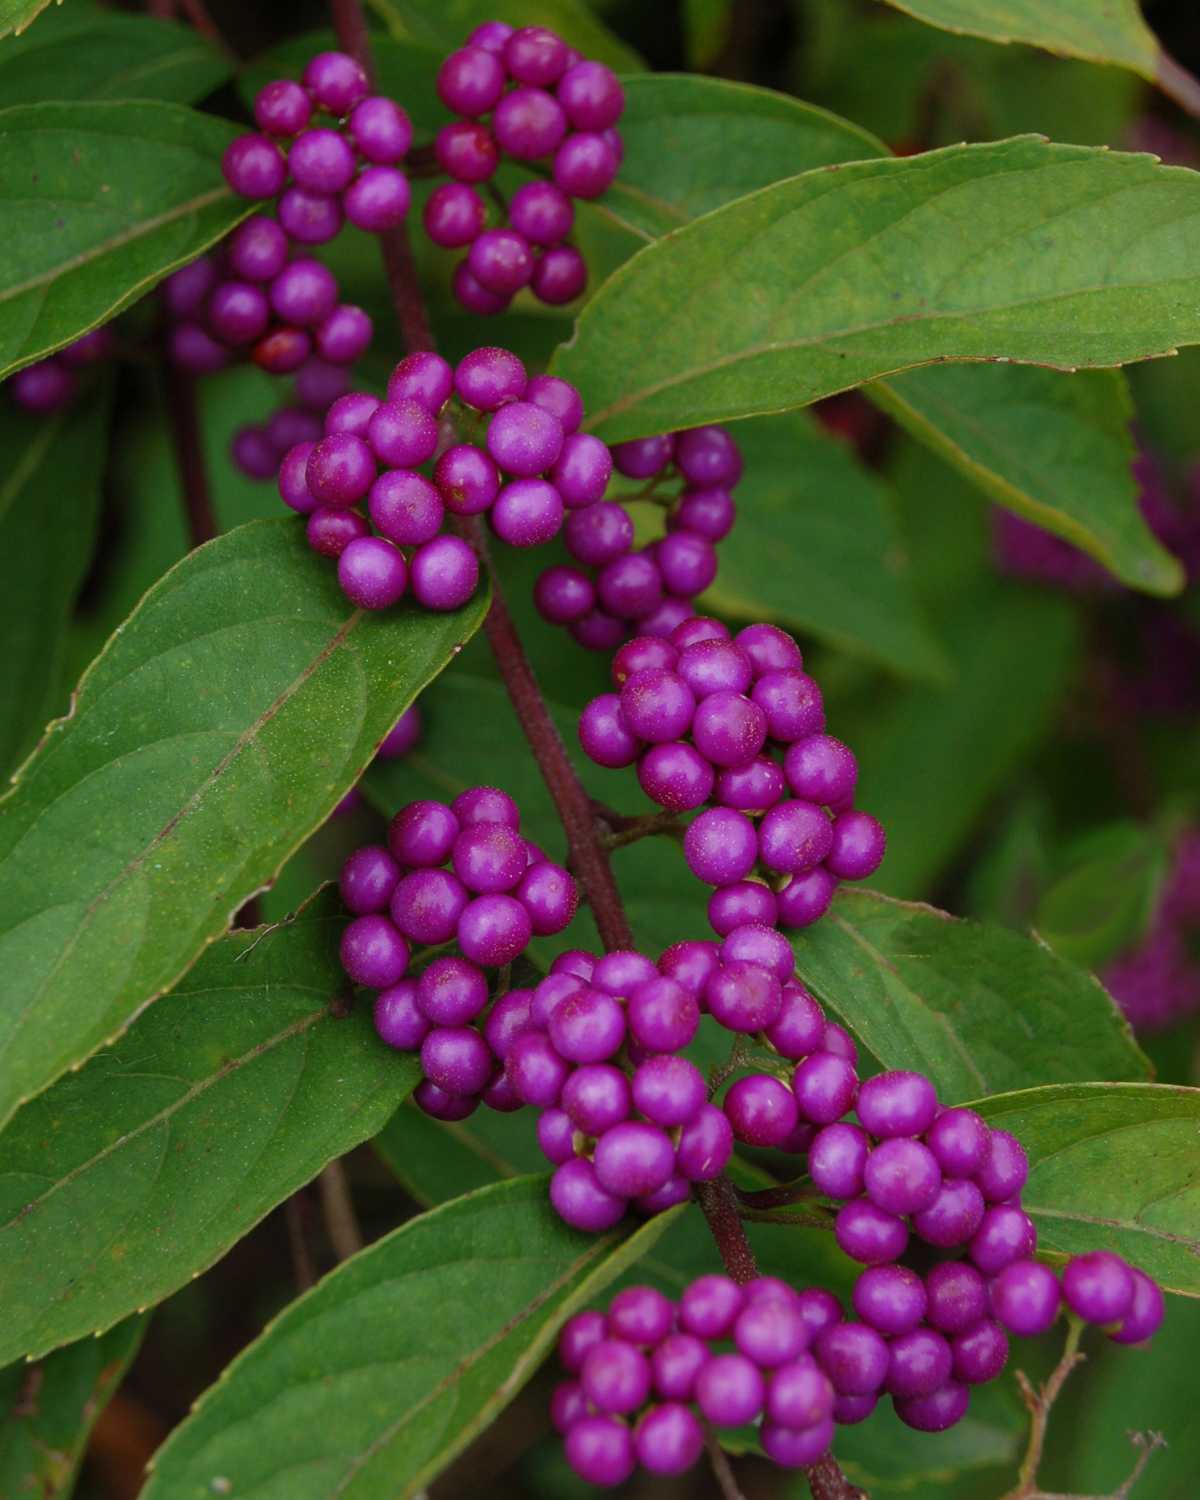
(530, 468)
(617, 590)
(1157, 982)
(526, 96)
(643, 1378)
(48, 385)
(255, 298)
(328, 150)
(736, 722)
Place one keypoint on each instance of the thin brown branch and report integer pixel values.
(1039, 1403)
(337, 1206)
(303, 1270)
(721, 1467)
(1177, 83)
(184, 417)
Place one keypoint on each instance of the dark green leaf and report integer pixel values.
(693, 144)
(133, 1175)
(374, 1381)
(100, 201)
(1054, 449)
(47, 1411)
(1113, 1166)
(933, 757)
(448, 24)
(1114, 32)
(1105, 900)
(976, 1007)
(1039, 253)
(217, 730)
(49, 501)
(82, 52)
(837, 565)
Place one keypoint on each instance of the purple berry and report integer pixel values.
(640, 1315)
(335, 81)
(794, 836)
(559, 275)
(793, 1448)
(312, 218)
(373, 953)
(582, 470)
(937, 1411)
(957, 1296)
(858, 846)
(800, 1029)
(423, 833)
(541, 212)
(705, 1145)
(451, 992)
(690, 964)
(454, 215)
(253, 453)
(721, 846)
(378, 199)
(1098, 1287)
(467, 479)
(427, 904)
(771, 1332)
(368, 879)
(958, 1139)
(595, 1098)
(473, 296)
(604, 734)
(490, 378)
(321, 161)
(761, 1110)
(825, 1086)
(351, 413)
(744, 997)
(633, 1159)
(457, 1060)
(662, 1015)
(567, 1405)
(630, 587)
(897, 1103)
(372, 572)
(729, 1390)
(508, 1019)
(669, 1091)
(657, 705)
(257, 249)
(330, 531)
(238, 312)
(869, 1234)
(1004, 1168)
(853, 1356)
(753, 787)
(953, 1216)
(254, 166)
(340, 470)
(592, 96)
(381, 130)
(578, 1337)
(754, 943)
(600, 1449)
(527, 513)
(733, 906)
(529, 123)
(494, 930)
(644, 457)
(470, 81)
(423, 377)
(585, 164)
(1026, 1297)
(466, 151)
(282, 108)
(588, 1027)
(556, 1136)
(398, 1019)
(675, 1363)
(598, 533)
(1005, 1234)
(550, 896)
(445, 573)
(980, 1353)
(676, 776)
(709, 1307)
(890, 1298)
(440, 1105)
(902, 1176)
(919, 1362)
(714, 667)
(821, 769)
(1143, 1319)
(792, 703)
(501, 261)
(405, 508)
(668, 1439)
(836, 1160)
(537, 1073)
(708, 513)
(615, 1376)
(304, 292)
(559, 397)
(535, 55)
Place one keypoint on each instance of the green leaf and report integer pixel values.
(1113, 32)
(82, 52)
(100, 201)
(219, 727)
(112, 1195)
(48, 1411)
(1112, 1166)
(437, 1161)
(1054, 449)
(406, 70)
(978, 1008)
(1039, 253)
(49, 504)
(374, 1381)
(934, 757)
(838, 568)
(448, 24)
(16, 15)
(1104, 902)
(693, 144)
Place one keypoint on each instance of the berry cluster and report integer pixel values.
(331, 172)
(457, 874)
(698, 712)
(531, 468)
(253, 296)
(544, 103)
(650, 590)
(643, 1375)
(49, 384)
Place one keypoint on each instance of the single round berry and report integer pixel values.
(1026, 1297)
(753, 787)
(470, 81)
(466, 151)
(953, 1216)
(633, 1159)
(527, 513)
(615, 1376)
(733, 906)
(257, 249)
(501, 261)
(853, 1356)
(254, 453)
(825, 1087)
(657, 705)
(897, 1103)
(559, 275)
(529, 123)
(754, 943)
(588, 1027)
(869, 1234)
(837, 1158)
(721, 846)
(601, 1450)
(541, 212)
(595, 1098)
(445, 573)
(238, 312)
(705, 1145)
(1005, 1234)
(640, 1315)
(282, 108)
(405, 508)
(335, 81)
(533, 54)
(709, 1306)
(919, 1362)
(592, 96)
(708, 513)
(549, 895)
(378, 199)
(858, 846)
(254, 167)
(582, 470)
(821, 769)
(957, 1296)
(439, 1105)
(1005, 1167)
(368, 878)
(585, 164)
(319, 383)
(714, 667)
(980, 1353)
(622, 970)
(902, 1176)
(456, 1059)
(454, 215)
(669, 1090)
(373, 953)
(372, 572)
(494, 930)
(381, 130)
(604, 734)
(958, 1139)
(800, 1027)
(422, 377)
(398, 1019)
(630, 587)
(744, 996)
(668, 1439)
(794, 836)
(598, 533)
(321, 160)
(1145, 1315)
(311, 218)
(662, 1015)
(330, 530)
(184, 291)
(761, 1110)
(676, 776)
(890, 1298)
(490, 378)
(792, 703)
(729, 1390)
(426, 906)
(937, 1411)
(537, 1073)
(304, 292)
(1098, 1287)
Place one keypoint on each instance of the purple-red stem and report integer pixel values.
(189, 455)
(717, 1199)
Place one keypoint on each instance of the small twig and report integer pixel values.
(782, 1216)
(778, 1197)
(1178, 84)
(721, 1467)
(645, 827)
(189, 455)
(337, 1206)
(1148, 1442)
(718, 1074)
(303, 1270)
(1039, 1403)
(827, 1482)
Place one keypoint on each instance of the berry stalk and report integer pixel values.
(189, 455)
(588, 856)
